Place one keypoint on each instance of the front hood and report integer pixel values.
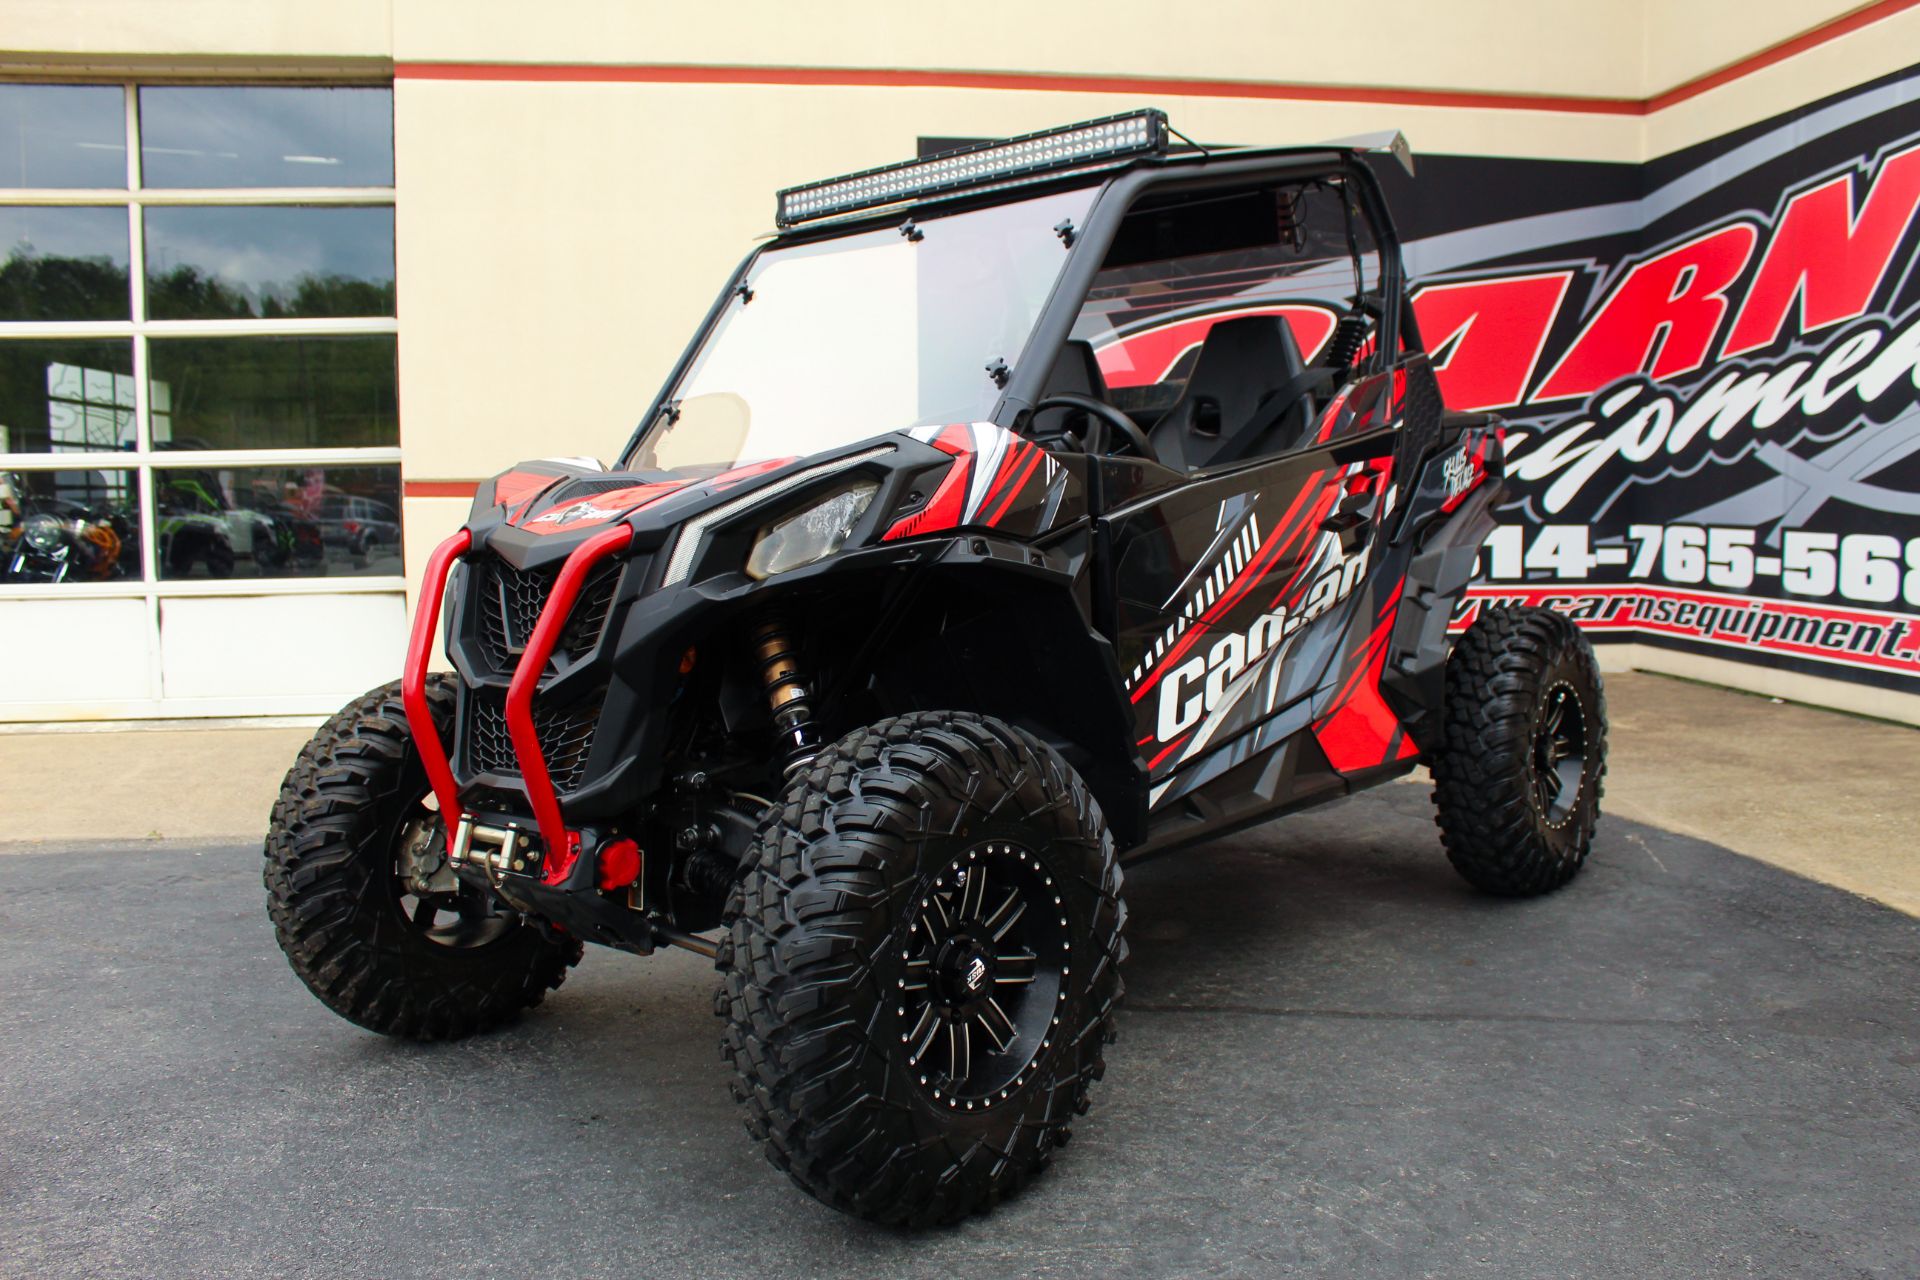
(934, 480)
(568, 495)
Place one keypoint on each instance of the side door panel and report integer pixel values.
(1236, 594)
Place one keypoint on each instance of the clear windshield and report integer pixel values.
(840, 340)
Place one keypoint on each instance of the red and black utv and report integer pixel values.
(1016, 513)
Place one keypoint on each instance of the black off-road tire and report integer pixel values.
(1510, 825)
(834, 892)
(336, 906)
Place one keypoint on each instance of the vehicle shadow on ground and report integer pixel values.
(1334, 1057)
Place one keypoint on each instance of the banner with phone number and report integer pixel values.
(1710, 368)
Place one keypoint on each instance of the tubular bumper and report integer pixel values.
(413, 682)
(562, 845)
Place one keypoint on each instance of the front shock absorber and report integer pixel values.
(788, 697)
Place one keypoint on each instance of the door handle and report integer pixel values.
(1350, 512)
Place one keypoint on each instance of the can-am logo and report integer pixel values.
(577, 511)
(1200, 684)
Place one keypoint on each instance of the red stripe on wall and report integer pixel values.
(1844, 25)
(439, 488)
(860, 77)
(865, 78)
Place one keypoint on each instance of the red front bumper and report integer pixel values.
(562, 845)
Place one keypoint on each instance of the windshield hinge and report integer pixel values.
(1064, 229)
(745, 292)
(911, 232)
(998, 371)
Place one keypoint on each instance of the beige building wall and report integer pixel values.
(561, 229)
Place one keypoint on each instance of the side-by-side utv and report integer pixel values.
(1015, 513)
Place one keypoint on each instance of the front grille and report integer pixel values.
(509, 601)
(565, 734)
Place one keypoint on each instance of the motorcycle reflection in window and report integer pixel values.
(59, 541)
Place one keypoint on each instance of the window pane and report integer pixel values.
(63, 263)
(63, 135)
(245, 261)
(66, 396)
(69, 526)
(238, 136)
(274, 393)
(278, 522)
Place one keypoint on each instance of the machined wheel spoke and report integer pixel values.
(923, 1033)
(991, 1014)
(973, 896)
(1013, 917)
(916, 977)
(960, 1048)
(939, 908)
(992, 924)
(1016, 971)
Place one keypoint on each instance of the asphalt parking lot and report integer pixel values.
(1334, 1060)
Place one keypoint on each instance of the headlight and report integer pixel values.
(809, 535)
(42, 532)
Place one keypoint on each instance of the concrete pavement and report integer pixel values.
(1334, 1060)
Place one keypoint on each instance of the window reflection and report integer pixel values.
(244, 261)
(276, 393)
(62, 135)
(63, 263)
(278, 522)
(68, 397)
(69, 526)
(249, 136)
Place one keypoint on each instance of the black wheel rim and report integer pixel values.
(985, 965)
(432, 903)
(1559, 754)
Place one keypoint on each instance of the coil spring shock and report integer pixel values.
(1349, 335)
(788, 697)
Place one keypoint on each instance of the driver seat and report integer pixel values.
(1242, 363)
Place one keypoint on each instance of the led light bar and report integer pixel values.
(1113, 138)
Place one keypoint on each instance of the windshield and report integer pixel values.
(838, 340)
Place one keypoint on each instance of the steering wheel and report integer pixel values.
(1135, 437)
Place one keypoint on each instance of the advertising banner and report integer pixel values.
(1710, 367)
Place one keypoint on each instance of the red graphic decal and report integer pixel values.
(727, 479)
(1285, 536)
(1020, 464)
(944, 509)
(598, 508)
(1361, 731)
(1667, 309)
(1144, 358)
(1486, 335)
(1322, 500)
(1826, 257)
(514, 486)
(956, 439)
(1170, 748)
